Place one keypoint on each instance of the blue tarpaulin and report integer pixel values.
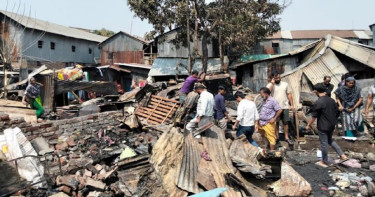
(212, 193)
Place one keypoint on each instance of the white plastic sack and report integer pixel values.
(29, 168)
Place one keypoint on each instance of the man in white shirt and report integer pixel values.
(247, 118)
(205, 108)
(282, 92)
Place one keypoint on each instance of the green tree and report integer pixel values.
(103, 32)
(237, 24)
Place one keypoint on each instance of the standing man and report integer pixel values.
(370, 99)
(188, 85)
(282, 92)
(325, 110)
(247, 118)
(221, 114)
(205, 108)
(327, 85)
(32, 92)
(268, 115)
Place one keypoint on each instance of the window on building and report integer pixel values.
(90, 50)
(276, 47)
(52, 45)
(73, 48)
(40, 44)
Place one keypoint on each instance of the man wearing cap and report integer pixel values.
(205, 108)
(247, 118)
(188, 85)
(221, 114)
(326, 111)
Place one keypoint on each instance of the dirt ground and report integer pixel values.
(317, 176)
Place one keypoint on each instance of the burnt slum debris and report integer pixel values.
(140, 150)
(135, 144)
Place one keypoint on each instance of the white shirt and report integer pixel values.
(280, 93)
(247, 113)
(206, 104)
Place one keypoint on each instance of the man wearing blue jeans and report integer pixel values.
(247, 118)
(325, 110)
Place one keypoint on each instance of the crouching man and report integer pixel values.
(205, 108)
(325, 110)
(268, 115)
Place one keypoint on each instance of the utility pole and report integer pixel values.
(188, 35)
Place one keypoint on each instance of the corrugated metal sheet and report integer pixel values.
(315, 70)
(353, 50)
(108, 57)
(132, 65)
(286, 34)
(317, 34)
(306, 47)
(214, 65)
(117, 67)
(362, 35)
(173, 66)
(136, 38)
(187, 174)
(245, 60)
(302, 34)
(168, 66)
(52, 27)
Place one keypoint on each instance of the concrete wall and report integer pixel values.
(255, 76)
(167, 49)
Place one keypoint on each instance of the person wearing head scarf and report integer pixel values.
(32, 92)
(349, 99)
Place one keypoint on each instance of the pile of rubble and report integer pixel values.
(88, 155)
(144, 150)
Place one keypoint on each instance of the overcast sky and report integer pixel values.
(116, 16)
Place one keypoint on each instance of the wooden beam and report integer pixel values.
(16, 112)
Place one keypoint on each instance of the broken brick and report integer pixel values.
(45, 125)
(87, 173)
(30, 129)
(95, 184)
(50, 129)
(4, 117)
(69, 180)
(98, 167)
(62, 146)
(48, 134)
(63, 161)
(65, 189)
(92, 117)
(60, 194)
(71, 141)
(102, 174)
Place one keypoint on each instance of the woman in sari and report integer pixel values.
(349, 99)
(33, 94)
